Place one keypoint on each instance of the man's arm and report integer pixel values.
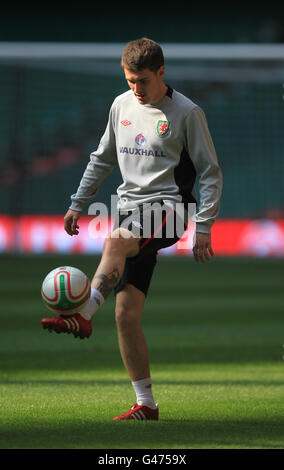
(204, 158)
(101, 163)
(97, 170)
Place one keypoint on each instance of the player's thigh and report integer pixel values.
(129, 303)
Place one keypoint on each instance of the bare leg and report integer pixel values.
(132, 344)
(115, 252)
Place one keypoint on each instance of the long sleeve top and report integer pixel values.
(161, 150)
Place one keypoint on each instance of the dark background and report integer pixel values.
(176, 21)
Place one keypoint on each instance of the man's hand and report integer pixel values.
(202, 249)
(70, 222)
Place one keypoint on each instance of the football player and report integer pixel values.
(161, 142)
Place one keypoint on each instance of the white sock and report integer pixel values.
(95, 301)
(143, 390)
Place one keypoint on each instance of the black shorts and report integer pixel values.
(159, 225)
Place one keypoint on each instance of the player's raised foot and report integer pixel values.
(75, 324)
(140, 412)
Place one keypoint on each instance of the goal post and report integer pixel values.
(45, 50)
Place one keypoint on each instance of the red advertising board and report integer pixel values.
(45, 234)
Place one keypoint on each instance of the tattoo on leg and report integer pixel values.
(108, 282)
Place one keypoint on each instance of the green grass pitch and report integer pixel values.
(215, 337)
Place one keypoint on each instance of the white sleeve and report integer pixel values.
(202, 153)
(102, 161)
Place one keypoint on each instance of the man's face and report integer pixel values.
(147, 86)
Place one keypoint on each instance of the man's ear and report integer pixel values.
(161, 71)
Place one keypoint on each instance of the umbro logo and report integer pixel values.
(125, 122)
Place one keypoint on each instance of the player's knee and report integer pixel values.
(126, 317)
(121, 241)
(115, 246)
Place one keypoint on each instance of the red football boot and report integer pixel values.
(140, 412)
(75, 324)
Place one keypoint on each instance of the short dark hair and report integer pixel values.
(142, 54)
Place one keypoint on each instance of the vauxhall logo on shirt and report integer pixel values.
(141, 140)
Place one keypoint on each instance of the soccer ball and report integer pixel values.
(65, 290)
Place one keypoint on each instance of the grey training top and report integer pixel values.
(160, 150)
